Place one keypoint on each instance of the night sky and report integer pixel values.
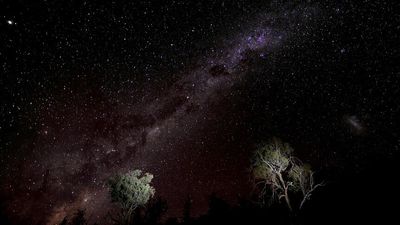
(186, 91)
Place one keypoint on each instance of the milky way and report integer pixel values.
(187, 91)
(169, 131)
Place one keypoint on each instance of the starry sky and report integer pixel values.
(186, 90)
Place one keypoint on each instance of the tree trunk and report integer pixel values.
(303, 201)
(129, 215)
(287, 200)
(285, 187)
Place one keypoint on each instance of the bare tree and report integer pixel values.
(303, 178)
(276, 170)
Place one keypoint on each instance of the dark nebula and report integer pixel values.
(186, 91)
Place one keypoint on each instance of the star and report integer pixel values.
(187, 93)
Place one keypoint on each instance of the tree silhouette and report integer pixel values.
(217, 206)
(187, 208)
(64, 221)
(79, 218)
(155, 210)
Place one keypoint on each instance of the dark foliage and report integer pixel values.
(353, 199)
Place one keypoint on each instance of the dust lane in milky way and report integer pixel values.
(170, 134)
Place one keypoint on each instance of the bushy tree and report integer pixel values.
(130, 191)
(278, 172)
